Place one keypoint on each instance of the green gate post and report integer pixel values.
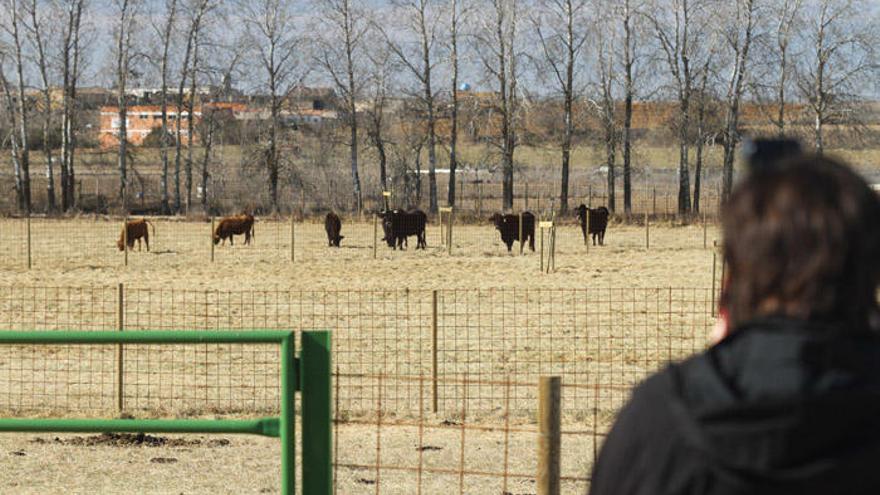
(314, 376)
(288, 418)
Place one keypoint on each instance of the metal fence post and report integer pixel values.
(120, 364)
(314, 380)
(375, 233)
(549, 435)
(647, 232)
(288, 416)
(434, 361)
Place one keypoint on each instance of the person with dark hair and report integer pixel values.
(787, 400)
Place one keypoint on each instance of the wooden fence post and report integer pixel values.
(714, 268)
(549, 435)
(587, 236)
(292, 239)
(434, 339)
(120, 365)
(29, 255)
(655, 202)
(705, 232)
(211, 238)
(125, 239)
(375, 233)
(451, 218)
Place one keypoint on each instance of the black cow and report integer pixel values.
(508, 225)
(399, 224)
(333, 226)
(598, 222)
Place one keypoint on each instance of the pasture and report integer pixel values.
(491, 321)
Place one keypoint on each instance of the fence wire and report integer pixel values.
(610, 338)
(51, 243)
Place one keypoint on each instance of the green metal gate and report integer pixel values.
(309, 374)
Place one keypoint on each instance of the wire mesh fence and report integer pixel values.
(596, 337)
(94, 242)
(467, 451)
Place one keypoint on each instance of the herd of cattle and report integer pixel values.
(397, 226)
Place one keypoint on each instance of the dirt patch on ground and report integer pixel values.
(131, 440)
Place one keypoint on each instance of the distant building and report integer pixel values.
(142, 119)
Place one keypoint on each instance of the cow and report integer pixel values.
(399, 224)
(333, 226)
(598, 222)
(134, 230)
(235, 225)
(508, 225)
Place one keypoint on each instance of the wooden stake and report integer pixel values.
(549, 436)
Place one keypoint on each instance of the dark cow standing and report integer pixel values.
(399, 224)
(235, 225)
(333, 226)
(508, 225)
(598, 222)
(134, 231)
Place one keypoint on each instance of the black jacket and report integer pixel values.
(779, 407)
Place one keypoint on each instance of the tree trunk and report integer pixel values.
(208, 144)
(453, 131)
(163, 144)
(627, 112)
(24, 146)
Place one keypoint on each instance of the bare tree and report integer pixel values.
(628, 17)
(422, 18)
(678, 30)
(738, 35)
(70, 71)
(787, 20)
(126, 15)
(703, 100)
(339, 52)
(496, 46)
(165, 35)
(604, 105)
(379, 74)
(562, 29)
(9, 100)
(840, 62)
(272, 38)
(197, 11)
(455, 19)
(36, 33)
(14, 28)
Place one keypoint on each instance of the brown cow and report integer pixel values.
(235, 225)
(134, 230)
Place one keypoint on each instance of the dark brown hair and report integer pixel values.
(802, 240)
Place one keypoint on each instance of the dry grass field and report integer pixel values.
(604, 319)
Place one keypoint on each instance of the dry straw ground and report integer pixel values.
(604, 319)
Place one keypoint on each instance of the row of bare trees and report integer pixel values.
(397, 69)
